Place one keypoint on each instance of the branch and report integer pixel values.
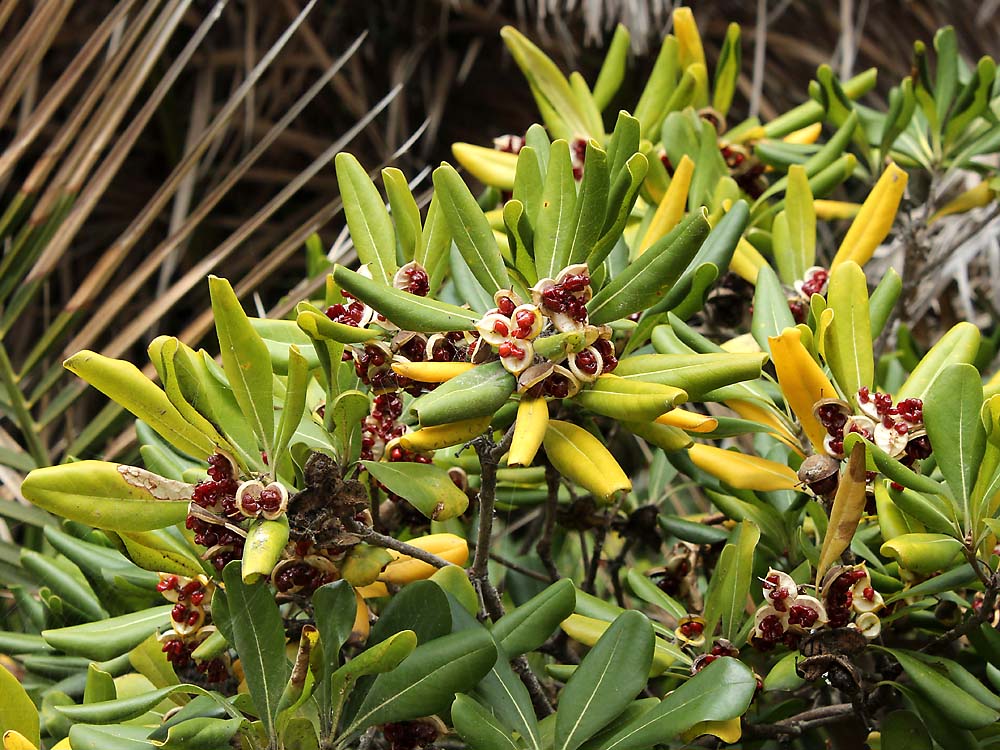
(544, 547)
(381, 540)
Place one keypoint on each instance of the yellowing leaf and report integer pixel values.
(743, 472)
(848, 505)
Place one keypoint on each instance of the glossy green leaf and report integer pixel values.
(278, 336)
(100, 562)
(470, 230)
(115, 737)
(17, 712)
(771, 315)
(427, 487)
(296, 386)
(164, 351)
(954, 703)
(409, 311)
(477, 725)
(607, 680)
(108, 496)
(923, 554)
(649, 592)
(727, 70)
(783, 675)
(528, 626)
(380, 658)
(455, 581)
(928, 510)
(202, 733)
(612, 73)
(405, 213)
(651, 275)
(335, 606)
(697, 374)
(630, 400)
(149, 660)
(108, 638)
(100, 686)
(435, 241)
(369, 222)
(528, 181)
(621, 198)
(123, 383)
(959, 344)
(719, 692)
(848, 346)
(245, 361)
(347, 411)
(250, 620)
(553, 239)
(951, 415)
(475, 393)
(65, 580)
(551, 90)
(591, 204)
(421, 607)
(123, 709)
(660, 86)
(729, 587)
(903, 729)
(318, 326)
(427, 680)
(883, 300)
(158, 550)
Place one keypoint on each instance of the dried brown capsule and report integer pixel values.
(821, 474)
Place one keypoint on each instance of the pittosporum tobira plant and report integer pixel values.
(530, 376)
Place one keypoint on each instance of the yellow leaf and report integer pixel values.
(671, 208)
(848, 506)
(874, 220)
(741, 471)
(802, 382)
(728, 731)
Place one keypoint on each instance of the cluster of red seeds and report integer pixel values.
(417, 281)
(669, 580)
(832, 417)
(192, 594)
(301, 575)
(565, 296)
(747, 174)
(269, 501)
(218, 494)
(839, 597)
(692, 629)
(381, 425)
(815, 283)
(349, 313)
(719, 649)
(179, 654)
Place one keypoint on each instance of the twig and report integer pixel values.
(381, 540)
(544, 546)
(489, 454)
(976, 617)
(518, 568)
(538, 699)
(599, 537)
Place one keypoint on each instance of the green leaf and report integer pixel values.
(650, 593)
(380, 658)
(882, 301)
(409, 311)
(653, 103)
(697, 374)
(17, 712)
(552, 92)
(296, 386)
(903, 729)
(123, 709)
(421, 607)
(771, 315)
(923, 554)
(252, 624)
(149, 660)
(124, 384)
(728, 588)
(477, 725)
(719, 692)
(652, 274)
(612, 73)
(455, 581)
(529, 177)
(318, 326)
(959, 344)
(116, 737)
(435, 241)
(470, 230)
(245, 361)
(727, 70)
(335, 606)
(278, 336)
(528, 626)
(783, 675)
(607, 680)
(951, 415)
(100, 686)
(427, 680)
(201, 733)
(475, 393)
(100, 562)
(65, 580)
(848, 338)
(630, 400)
(349, 408)
(369, 222)
(427, 487)
(954, 703)
(405, 213)
(108, 638)
(108, 496)
(158, 550)
(553, 240)
(624, 191)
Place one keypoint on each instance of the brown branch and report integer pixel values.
(382, 540)
(544, 547)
